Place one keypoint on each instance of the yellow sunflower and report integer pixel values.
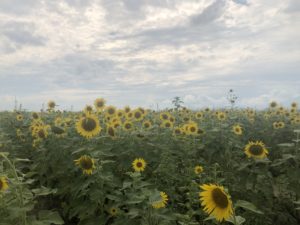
(86, 163)
(110, 110)
(164, 116)
(294, 105)
(177, 131)
(88, 126)
(88, 109)
(216, 201)
(147, 124)
(139, 165)
(167, 124)
(198, 169)
(273, 104)
(40, 131)
(138, 115)
(127, 125)
(281, 124)
(113, 211)
(99, 103)
(19, 117)
(162, 202)
(192, 129)
(237, 129)
(127, 109)
(199, 115)
(221, 116)
(256, 150)
(3, 184)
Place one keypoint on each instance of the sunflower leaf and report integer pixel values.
(247, 205)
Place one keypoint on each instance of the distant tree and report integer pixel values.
(177, 102)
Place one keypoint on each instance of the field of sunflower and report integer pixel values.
(137, 166)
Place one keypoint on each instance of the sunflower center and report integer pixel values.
(127, 126)
(256, 149)
(86, 164)
(146, 125)
(100, 104)
(111, 111)
(192, 129)
(220, 198)
(88, 124)
(41, 134)
(139, 164)
(137, 115)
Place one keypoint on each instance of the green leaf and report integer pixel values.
(50, 217)
(247, 205)
(239, 220)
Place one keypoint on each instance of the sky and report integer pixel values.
(145, 52)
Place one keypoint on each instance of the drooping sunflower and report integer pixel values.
(162, 202)
(86, 163)
(237, 129)
(256, 150)
(88, 126)
(198, 169)
(99, 103)
(216, 201)
(139, 165)
(3, 184)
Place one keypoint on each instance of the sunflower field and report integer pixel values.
(110, 166)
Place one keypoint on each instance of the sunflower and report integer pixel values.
(127, 125)
(99, 103)
(58, 131)
(138, 115)
(86, 163)
(113, 211)
(273, 104)
(216, 201)
(51, 104)
(256, 150)
(167, 124)
(88, 109)
(199, 115)
(176, 131)
(147, 124)
(294, 105)
(40, 131)
(192, 129)
(129, 115)
(237, 129)
(198, 169)
(110, 110)
(281, 124)
(111, 131)
(19, 117)
(162, 202)
(120, 113)
(164, 115)
(139, 165)
(88, 126)
(3, 184)
(35, 116)
(221, 116)
(275, 125)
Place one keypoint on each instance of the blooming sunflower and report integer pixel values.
(192, 129)
(88, 109)
(221, 116)
(88, 126)
(198, 169)
(164, 115)
(199, 115)
(113, 211)
(216, 201)
(273, 104)
(256, 150)
(139, 165)
(127, 125)
(147, 124)
(35, 116)
(99, 103)
(294, 105)
(86, 163)
(237, 129)
(110, 110)
(138, 115)
(167, 124)
(3, 184)
(19, 117)
(162, 202)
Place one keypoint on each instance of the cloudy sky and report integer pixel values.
(144, 52)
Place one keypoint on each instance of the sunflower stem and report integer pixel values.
(20, 189)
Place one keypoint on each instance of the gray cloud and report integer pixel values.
(19, 6)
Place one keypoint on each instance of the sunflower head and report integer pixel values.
(88, 109)
(177, 131)
(216, 201)
(3, 184)
(161, 202)
(88, 126)
(86, 163)
(198, 169)
(192, 129)
(35, 116)
(138, 115)
(167, 124)
(99, 103)
(273, 104)
(19, 117)
(110, 110)
(127, 125)
(147, 124)
(237, 129)
(51, 104)
(221, 116)
(294, 105)
(139, 165)
(113, 211)
(164, 116)
(256, 150)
